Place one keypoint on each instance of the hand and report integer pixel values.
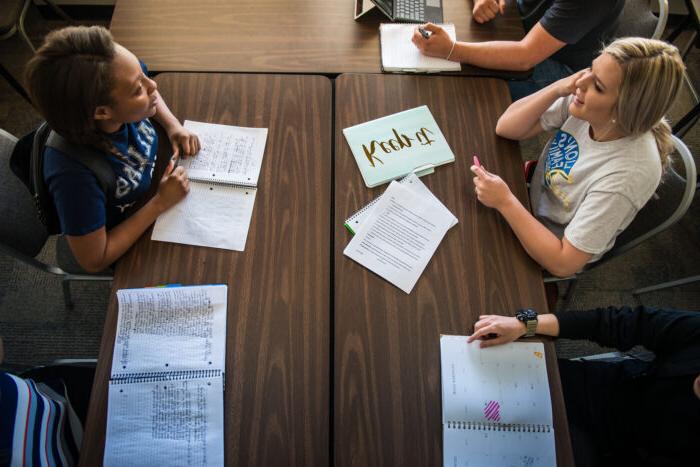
(567, 86)
(497, 330)
(490, 189)
(486, 10)
(438, 44)
(182, 138)
(173, 186)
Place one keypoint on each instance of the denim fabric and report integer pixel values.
(542, 76)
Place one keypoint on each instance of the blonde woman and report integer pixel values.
(605, 160)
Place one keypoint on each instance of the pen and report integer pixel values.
(476, 161)
(423, 33)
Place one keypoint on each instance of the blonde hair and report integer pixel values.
(652, 74)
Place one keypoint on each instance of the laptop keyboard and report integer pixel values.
(411, 10)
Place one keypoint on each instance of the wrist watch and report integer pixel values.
(529, 317)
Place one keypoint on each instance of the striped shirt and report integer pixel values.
(38, 427)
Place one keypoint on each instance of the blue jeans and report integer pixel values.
(543, 75)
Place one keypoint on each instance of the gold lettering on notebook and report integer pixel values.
(396, 144)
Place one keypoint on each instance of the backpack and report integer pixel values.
(27, 162)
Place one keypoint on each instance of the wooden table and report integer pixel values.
(278, 328)
(386, 373)
(277, 36)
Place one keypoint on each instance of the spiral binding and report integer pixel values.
(244, 186)
(149, 377)
(511, 427)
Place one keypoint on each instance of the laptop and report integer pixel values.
(411, 11)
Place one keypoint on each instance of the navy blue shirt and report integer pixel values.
(80, 202)
(585, 26)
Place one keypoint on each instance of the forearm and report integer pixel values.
(539, 242)
(519, 118)
(164, 116)
(495, 55)
(123, 236)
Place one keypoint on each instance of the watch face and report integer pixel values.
(527, 314)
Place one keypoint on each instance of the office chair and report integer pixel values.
(666, 207)
(22, 235)
(637, 20)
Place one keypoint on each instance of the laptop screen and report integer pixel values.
(387, 6)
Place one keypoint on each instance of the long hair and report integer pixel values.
(69, 77)
(652, 74)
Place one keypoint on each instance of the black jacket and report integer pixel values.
(636, 412)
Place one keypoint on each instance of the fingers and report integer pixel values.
(479, 172)
(502, 6)
(491, 342)
(432, 27)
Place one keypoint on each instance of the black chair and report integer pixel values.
(22, 235)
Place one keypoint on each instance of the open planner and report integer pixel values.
(399, 54)
(223, 177)
(496, 408)
(166, 388)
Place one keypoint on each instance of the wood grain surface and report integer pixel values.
(387, 390)
(278, 36)
(276, 399)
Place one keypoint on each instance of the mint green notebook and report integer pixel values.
(393, 146)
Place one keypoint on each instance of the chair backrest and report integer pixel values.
(637, 20)
(668, 205)
(20, 229)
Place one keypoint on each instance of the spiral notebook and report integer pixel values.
(496, 406)
(217, 211)
(166, 389)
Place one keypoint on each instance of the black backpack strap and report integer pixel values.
(90, 157)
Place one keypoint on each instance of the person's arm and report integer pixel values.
(624, 327)
(178, 135)
(496, 329)
(521, 120)
(522, 55)
(559, 257)
(486, 10)
(97, 250)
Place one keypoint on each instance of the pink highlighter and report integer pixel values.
(476, 161)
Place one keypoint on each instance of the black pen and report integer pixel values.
(423, 33)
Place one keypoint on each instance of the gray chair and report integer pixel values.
(666, 207)
(22, 235)
(637, 20)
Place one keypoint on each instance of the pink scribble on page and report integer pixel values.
(492, 411)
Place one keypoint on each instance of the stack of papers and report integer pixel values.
(399, 233)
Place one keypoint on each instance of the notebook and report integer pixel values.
(411, 181)
(166, 389)
(496, 407)
(393, 146)
(400, 235)
(399, 54)
(223, 177)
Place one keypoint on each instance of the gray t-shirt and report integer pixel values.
(589, 191)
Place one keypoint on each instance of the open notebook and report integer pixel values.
(496, 408)
(223, 181)
(166, 388)
(399, 54)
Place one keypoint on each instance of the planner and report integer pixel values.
(412, 182)
(400, 236)
(496, 406)
(217, 211)
(393, 146)
(165, 402)
(399, 54)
